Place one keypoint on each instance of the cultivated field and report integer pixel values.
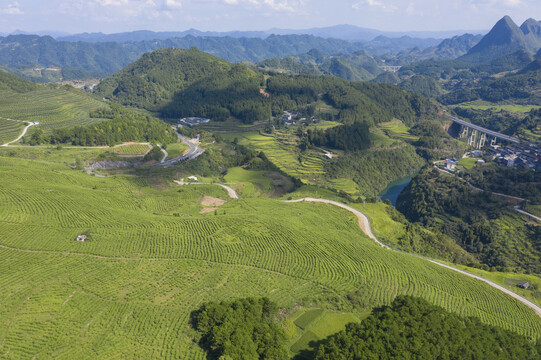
(10, 130)
(176, 149)
(151, 259)
(132, 149)
(52, 108)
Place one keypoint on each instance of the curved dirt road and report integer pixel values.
(364, 223)
(20, 136)
(232, 193)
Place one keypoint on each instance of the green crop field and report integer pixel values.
(468, 163)
(485, 105)
(10, 130)
(52, 108)
(132, 149)
(249, 183)
(397, 130)
(176, 149)
(151, 259)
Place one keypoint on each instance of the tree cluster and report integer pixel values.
(241, 329)
(412, 328)
(346, 137)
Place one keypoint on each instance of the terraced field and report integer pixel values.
(52, 108)
(151, 259)
(132, 149)
(307, 167)
(10, 130)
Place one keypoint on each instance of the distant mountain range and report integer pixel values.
(343, 32)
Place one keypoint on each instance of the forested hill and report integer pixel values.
(10, 82)
(22, 51)
(182, 83)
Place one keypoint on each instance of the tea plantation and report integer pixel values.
(151, 258)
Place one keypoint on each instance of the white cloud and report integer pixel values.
(374, 4)
(173, 4)
(275, 5)
(12, 9)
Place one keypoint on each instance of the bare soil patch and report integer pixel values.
(212, 201)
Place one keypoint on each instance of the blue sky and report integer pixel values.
(109, 16)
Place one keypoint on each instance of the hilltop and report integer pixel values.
(505, 38)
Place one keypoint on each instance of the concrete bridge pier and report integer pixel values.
(473, 138)
(463, 131)
(482, 140)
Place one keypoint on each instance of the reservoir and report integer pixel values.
(394, 189)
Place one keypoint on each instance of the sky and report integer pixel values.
(110, 16)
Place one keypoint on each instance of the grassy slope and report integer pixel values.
(10, 130)
(52, 108)
(128, 292)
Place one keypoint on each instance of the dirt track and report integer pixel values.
(364, 224)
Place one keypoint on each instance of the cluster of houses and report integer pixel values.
(517, 155)
(294, 117)
(192, 121)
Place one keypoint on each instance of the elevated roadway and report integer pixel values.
(488, 132)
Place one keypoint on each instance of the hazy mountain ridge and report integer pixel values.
(343, 32)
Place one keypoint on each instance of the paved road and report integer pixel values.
(517, 208)
(232, 193)
(165, 154)
(20, 136)
(484, 130)
(193, 152)
(365, 226)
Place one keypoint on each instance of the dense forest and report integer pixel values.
(412, 328)
(483, 224)
(373, 169)
(107, 57)
(204, 85)
(346, 137)
(241, 329)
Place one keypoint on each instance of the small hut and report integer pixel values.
(524, 285)
(81, 238)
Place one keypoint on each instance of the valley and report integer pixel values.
(271, 197)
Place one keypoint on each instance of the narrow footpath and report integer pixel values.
(20, 136)
(232, 193)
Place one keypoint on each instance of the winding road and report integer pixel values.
(232, 193)
(193, 152)
(364, 224)
(20, 136)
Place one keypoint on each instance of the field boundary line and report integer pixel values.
(118, 258)
(20, 136)
(364, 224)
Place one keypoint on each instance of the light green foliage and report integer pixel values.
(176, 149)
(249, 182)
(468, 163)
(52, 108)
(132, 149)
(10, 130)
(152, 259)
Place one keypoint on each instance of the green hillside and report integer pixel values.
(151, 258)
(53, 107)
